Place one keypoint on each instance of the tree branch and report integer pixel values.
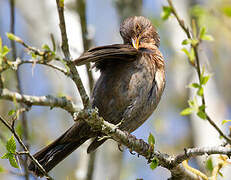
(11, 128)
(172, 163)
(198, 69)
(65, 48)
(48, 100)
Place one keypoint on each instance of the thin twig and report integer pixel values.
(65, 48)
(20, 62)
(25, 148)
(198, 69)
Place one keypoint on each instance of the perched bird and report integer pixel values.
(129, 89)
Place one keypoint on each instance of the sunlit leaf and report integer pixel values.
(186, 41)
(151, 139)
(13, 162)
(166, 12)
(14, 37)
(201, 114)
(204, 79)
(195, 85)
(200, 91)
(187, 111)
(207, 37)
(202, 107)
(209, 165)
(225, 121)
(11, 112)
(154, 163)
(11, 145)
(2, 169)
(6, 155)
(46, 47)
(227, 10)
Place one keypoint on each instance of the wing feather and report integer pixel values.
(110, 52)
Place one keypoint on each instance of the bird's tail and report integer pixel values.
(54, 153)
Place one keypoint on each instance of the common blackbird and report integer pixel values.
(130, 87)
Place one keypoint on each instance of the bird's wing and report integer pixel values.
(110, 52)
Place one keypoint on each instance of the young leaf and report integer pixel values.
(202, 107)
(225, 121)
(5, 51)
(187, 111)
(2, 169)
(186, 41)
(204, 79)
(46, 47)
(227, 10)
(6, 155)
(200, 91)
(19, 129)
(204, 36)
(201, 114)
(154, 163)
(166, 12)
(151, 139)
(11, 145)
(209, 165)
(13, 162)
(11, 112)
(195, 85)
(207, 37)
(14, 38)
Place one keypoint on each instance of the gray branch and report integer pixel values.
(48, 100)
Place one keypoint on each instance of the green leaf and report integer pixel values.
(200, 91)
(154, 163)
(13, 37)
(190, 54)
(6, 155)
(19, 129)
(207, 37)
(166, 12)
(227, 10)
(11, 145)
(187, 111)
(186, 41)
(5, 51)
(204, 79)
(201, 114)
(202, 31)
(225, 121)
(192, 103)
(195, 85)
(2, 169)
(185, 51)
(46, 47)
(13, 162)
(151, 139)
(197, 10)
(202, 107)
(11, 112)
(209, 165)
(204, 36)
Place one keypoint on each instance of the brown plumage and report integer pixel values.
(129, 89)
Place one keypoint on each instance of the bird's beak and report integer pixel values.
(135, 43)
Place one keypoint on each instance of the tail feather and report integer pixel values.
(54, 153)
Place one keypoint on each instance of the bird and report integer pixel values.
(130, 86)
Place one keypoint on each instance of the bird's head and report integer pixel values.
(138, 30)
